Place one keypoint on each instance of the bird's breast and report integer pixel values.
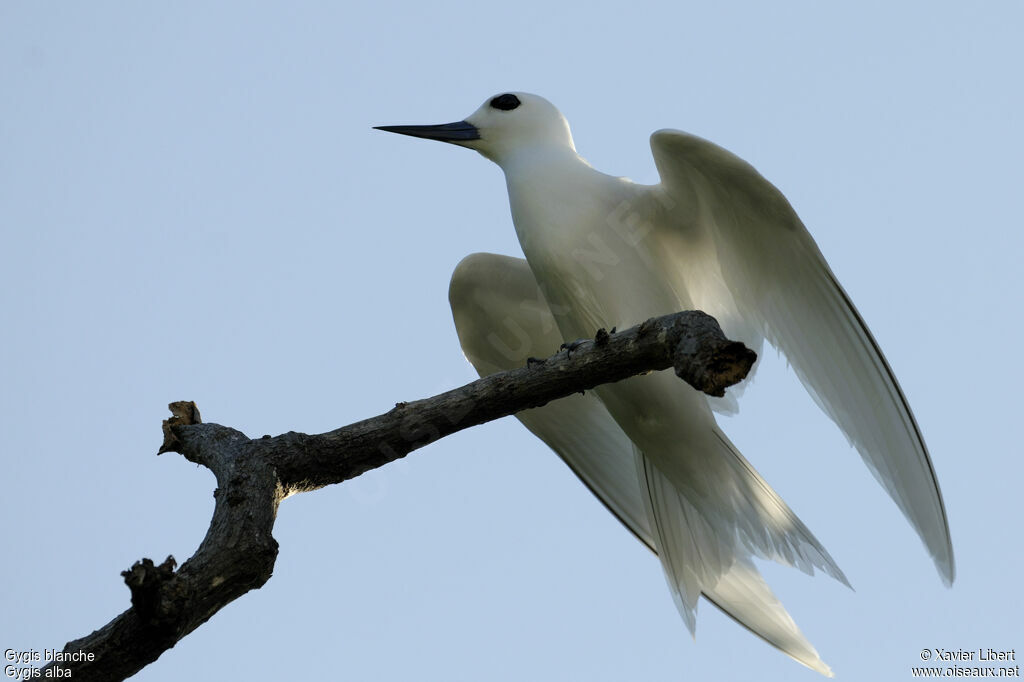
(590, 248)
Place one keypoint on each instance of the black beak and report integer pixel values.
(460, 131)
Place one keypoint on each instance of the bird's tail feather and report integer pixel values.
(701, 554)
(743, 594)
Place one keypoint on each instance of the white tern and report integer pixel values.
(604, 252)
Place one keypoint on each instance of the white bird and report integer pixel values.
(603, 251)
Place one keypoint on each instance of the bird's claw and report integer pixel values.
(572, 345)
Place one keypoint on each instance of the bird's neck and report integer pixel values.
(548, 192)
(553, 191)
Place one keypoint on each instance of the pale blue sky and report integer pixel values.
(193, 205)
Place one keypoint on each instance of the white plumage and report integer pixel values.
(714, 235)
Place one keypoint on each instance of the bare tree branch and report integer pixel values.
(254, 475)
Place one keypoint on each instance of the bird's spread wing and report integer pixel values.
(777, 277)
(502, 319)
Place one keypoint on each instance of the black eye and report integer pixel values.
(506, 102)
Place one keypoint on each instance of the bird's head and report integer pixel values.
(503, 126)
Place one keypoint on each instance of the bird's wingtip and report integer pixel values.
(945, 564)
(948, 573)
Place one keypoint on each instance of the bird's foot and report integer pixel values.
(532, 361)
(572, 345)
